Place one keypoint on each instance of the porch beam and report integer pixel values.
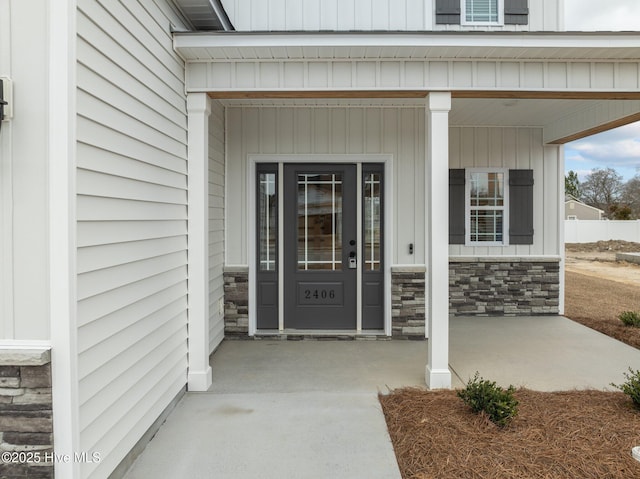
(198, 110)
(561, 78)
(437, 109)
(420, 94)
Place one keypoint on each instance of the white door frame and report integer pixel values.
(357, 159)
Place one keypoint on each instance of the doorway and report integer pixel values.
(320, 244)
(331, 222)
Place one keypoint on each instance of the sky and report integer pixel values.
(618, 148)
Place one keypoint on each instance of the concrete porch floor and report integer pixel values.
(309, 409)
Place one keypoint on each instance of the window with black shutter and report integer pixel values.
(490, 207)
(482, 12)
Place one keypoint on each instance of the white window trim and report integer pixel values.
(463, 15)
(467, 207)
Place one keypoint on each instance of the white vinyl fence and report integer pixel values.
(589, 231)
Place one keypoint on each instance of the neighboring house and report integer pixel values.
(324, 168)
(574, 209)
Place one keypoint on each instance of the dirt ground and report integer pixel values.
(598, 289)
(599, 260)
(561, 435)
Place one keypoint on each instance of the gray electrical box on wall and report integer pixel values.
(6, 98)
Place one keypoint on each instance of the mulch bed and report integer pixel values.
(597, 302)
(575, 434)
(559, 435)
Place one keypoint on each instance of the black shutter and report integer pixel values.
(516, 12)
(448, 12)
(456, 207)
(520, 206)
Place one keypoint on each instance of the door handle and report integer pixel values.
(353, 261)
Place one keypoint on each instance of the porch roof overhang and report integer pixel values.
(593, 46)
(572, 84)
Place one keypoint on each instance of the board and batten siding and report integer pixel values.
(544, 15)
(24, 248)
(131, 223)
(515, 148)
(216, 224)
(368, 15)
(428, 74)
(303, 131)
(399, 132)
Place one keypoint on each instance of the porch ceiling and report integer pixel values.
(519, 112)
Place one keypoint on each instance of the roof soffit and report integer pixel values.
(407, 46)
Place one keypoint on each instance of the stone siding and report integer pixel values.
(26, 424)
(504, 286)
(236, 302)
(407, 302)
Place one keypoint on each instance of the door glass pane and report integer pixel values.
(372, 232)
(268, 214)
(320, 221)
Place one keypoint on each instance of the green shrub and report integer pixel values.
(631, 387)
(630, 318)
(483, 395)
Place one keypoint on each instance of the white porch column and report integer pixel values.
(437, 239)
(198, 110)
(63, 298)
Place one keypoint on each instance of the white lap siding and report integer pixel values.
(216, 224)
(132, 223)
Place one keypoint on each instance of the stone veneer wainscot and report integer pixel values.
(407, 302)
(478, 286)
(504, 286)
(26, 423)
(236, 302)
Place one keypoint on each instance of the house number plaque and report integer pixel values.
(310, 294)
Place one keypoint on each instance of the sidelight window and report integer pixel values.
(267, 221)
(372, 223)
